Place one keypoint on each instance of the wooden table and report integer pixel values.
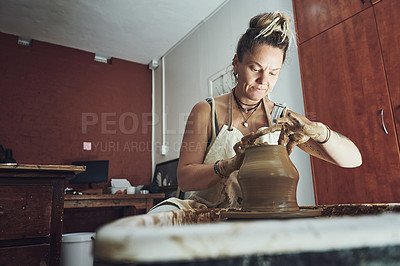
(31, 212)
(138, 201)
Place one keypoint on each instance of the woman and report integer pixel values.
(219, 130)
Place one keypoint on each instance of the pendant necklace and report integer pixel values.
(241, 109)
(245, 124)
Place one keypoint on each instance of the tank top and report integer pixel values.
(228, 194)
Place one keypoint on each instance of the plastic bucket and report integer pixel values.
(76, 249)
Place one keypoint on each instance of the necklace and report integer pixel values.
(245, 124)
(241, 109)
(242, 103)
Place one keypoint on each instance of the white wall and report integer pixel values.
(208, 50)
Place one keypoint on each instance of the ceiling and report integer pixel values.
(134, 30)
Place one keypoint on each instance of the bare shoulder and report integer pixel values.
(201, 108)
(199, 117)
(196, 134)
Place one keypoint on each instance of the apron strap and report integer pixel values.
(269, 119)
(230, 112)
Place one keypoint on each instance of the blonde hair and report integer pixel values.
(267, 28)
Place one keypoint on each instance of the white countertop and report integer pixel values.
(154, 238)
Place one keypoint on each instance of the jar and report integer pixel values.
(268, 180)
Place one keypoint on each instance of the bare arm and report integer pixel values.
(192, 173)
(338, 149)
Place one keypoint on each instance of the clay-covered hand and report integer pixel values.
(297, 129)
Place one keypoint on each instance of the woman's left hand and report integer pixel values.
(298, 129)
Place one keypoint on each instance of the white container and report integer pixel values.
(77, 249)
(131, 190)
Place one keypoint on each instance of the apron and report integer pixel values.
(225, 194)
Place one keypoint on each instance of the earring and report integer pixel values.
(235, 75)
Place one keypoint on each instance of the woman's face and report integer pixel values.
(258, 72)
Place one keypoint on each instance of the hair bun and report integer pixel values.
(267, 23)
(272, 29)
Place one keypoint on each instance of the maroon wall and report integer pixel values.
(51, 96)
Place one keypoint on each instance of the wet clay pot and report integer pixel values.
(268, 180)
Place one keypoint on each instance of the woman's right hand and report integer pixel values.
(236, 161)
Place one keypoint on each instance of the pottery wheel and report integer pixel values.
(301, 213)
